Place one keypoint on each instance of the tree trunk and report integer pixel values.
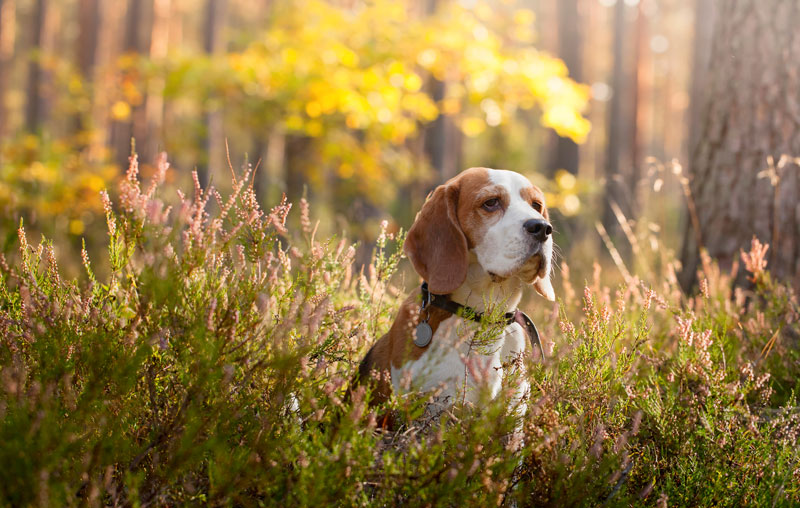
(442, 138)
(132, 26)
(570, 31)
(7, 34)
(297, 161)
(637, 113)
(109, 46)
(88, 18)
(125, 130)
(33, 110)
(435, 132)
(615, 189)
(154, 105)
(213, 44)
(705, 14)
(750, 115)
(704, 21)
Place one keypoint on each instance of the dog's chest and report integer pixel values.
(457, 365)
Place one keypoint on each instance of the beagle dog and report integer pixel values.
(478, 240)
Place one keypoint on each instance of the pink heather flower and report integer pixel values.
(620, 301)
(132, 175)
(161, 173)
(278, 214)
(23, 241)
(130, 193)
(762, 379)
(588, 301)
(755, 261)
(605, 314)
(240, 255)
(52, 265)
(685, 332)
(85, 257)
(649, 294)
(198, 190)
(305, 219)
(703, 340)
(112, 222)
(382, 235)
(704, 287)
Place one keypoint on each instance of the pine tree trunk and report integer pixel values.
(750, 114)
(33, 110)
(110, 24)
(86, 51)
(616, 191)
(7, 22)
(125, 130)
(570, 34)
(154, 105)
(214, 134)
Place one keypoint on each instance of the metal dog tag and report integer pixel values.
(423, 335)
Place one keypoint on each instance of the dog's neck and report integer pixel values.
(483, 293)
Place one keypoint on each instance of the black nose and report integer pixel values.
(540, 229)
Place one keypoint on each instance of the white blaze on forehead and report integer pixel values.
(513, 182)
(506, 246)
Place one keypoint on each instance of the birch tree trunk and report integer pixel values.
(750, 115)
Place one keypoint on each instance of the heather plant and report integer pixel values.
(210, 366)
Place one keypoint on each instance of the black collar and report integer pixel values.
(445, 303)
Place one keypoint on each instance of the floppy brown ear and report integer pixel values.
(435, 243)
(544, 287)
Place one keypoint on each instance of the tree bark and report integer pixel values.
(750, 114)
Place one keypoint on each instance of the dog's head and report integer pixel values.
(494, 217)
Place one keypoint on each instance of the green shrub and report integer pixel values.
(210, 367)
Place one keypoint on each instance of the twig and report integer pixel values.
(614, 253)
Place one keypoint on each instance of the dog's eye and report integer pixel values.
(537, 206)
(491, 205)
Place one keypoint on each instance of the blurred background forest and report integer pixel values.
(365, 106)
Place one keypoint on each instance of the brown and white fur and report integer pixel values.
(470, 242)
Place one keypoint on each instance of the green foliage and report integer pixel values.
(51, 179)
(210, 365)
(339, 96)
(354, 83)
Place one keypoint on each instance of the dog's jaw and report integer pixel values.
(485, 291)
